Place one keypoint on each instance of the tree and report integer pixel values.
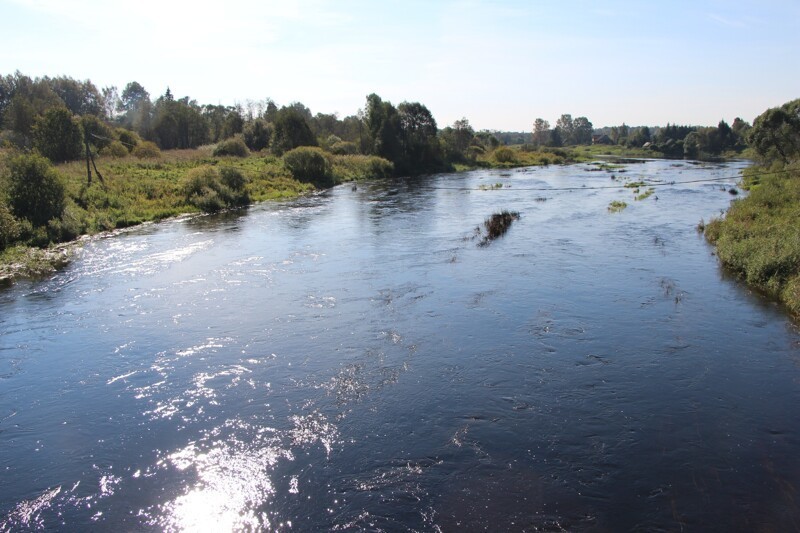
(257, 134)
(582, 131)
(80, 97)
(639, 137)
(775, 135)
(234, 123)
(463, 134)
(132, 96)
(36, 192)
(58, 136)
(111, 101)
(564, 126)
(290, 131)
(555, 139)
(541, 132)
(420, 150)
(29, 99)
(383, 128)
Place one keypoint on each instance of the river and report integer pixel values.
(354, 360)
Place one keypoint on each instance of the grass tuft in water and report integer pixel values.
(497, 225)
(616, 206)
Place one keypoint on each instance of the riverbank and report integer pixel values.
(133, 191)
(758, 239)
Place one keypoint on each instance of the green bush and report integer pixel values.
(257, 134)
(343, 148)
(128, 138)
(358, 167)
(232, 178)
(146, 150)
(10, 229)
(36, 191)
(309, 164)
(505, 155)
(96, 131)
(58, 136)
(212, 190)
(235, 146)
(66, 228)
(115, 149)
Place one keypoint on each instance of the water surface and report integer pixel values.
(355, 361)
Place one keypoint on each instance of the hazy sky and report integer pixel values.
(499, 63)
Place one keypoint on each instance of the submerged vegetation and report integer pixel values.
(497, 225)
(759, 237)
(616, 206)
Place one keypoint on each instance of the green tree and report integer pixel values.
(28, 100)
(564, 126)
(290, 131)
(582, 131)
(234, 123)
(36, 191)
(383, 127)
(775, 135)
(80, 97)
(541, 132)
(420, 149)
(58, 136)
(257, 134)
(132, 96)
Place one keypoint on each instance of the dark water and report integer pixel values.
(355, 361)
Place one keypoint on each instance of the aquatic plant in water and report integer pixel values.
(497, 225)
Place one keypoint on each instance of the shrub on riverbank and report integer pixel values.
(146, 150)
(759, 237)
(235, 146)
(309, 164)
(36, 192)
(360, 167)
(212, 190)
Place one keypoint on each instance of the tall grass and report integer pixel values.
(759, 237)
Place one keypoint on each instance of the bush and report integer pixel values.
(66, 228)
(96, 131)
(505, 154)
(146, 150)
(58, 136)
(257, 134)
(357, 167)
(344, 148)
(212, 190)
(115, 149)
(36, 192)
(235, 146)
(128, 138)
(9, 227)
(310, 165)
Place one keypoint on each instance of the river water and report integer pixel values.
(354, 360)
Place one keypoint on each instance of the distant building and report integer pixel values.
(601, 139)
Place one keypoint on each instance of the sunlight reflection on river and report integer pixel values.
(353, 360)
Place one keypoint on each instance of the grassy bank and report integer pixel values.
(137, 190)
(759, 237)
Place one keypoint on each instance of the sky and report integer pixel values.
(499, 63)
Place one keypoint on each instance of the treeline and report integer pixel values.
(58, 115)
(672, 140)
(759, 237)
